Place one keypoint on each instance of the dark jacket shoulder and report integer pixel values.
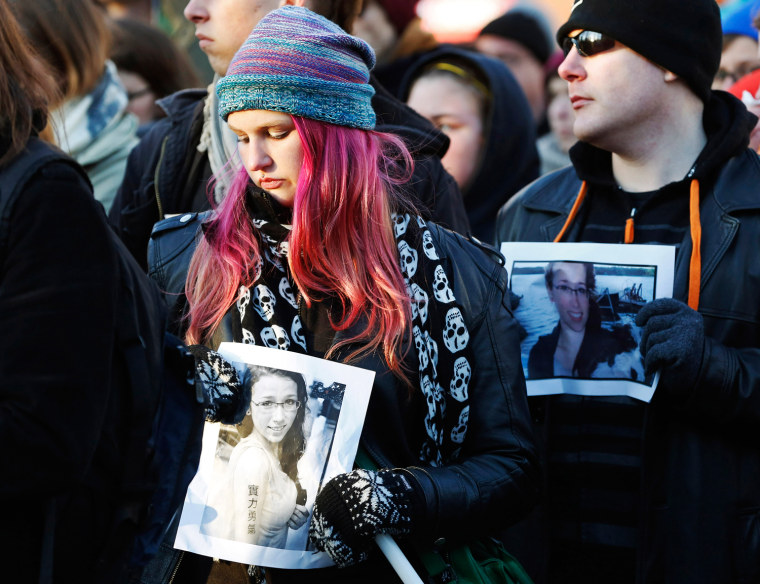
(170, 249)
(476, 271)
(549, 197)
(140, 200)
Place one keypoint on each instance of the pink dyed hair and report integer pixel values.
(341, 243)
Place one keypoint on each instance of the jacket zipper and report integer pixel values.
(176, 567)
(300, 302)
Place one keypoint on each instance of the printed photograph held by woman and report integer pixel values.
(260, 497)
(579, 346)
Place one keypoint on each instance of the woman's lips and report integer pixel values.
(270, 183)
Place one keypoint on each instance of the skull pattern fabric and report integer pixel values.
(268, 310)
(269, 315)
(441, 339)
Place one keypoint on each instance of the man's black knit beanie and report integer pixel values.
(524, 29)
(683, 37)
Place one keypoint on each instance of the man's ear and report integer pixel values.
(670, 76)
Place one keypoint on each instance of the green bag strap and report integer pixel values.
(438, 565)
(363, 459)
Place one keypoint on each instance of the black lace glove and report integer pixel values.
(227, 398)
(352, 508)
(672, 340)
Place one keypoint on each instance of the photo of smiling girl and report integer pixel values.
(578, 343)
(262, 498)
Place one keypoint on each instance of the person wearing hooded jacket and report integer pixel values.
(169, 171)
(504, 158)
(667, 491)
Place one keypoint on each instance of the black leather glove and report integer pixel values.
(672, 340)
(227, 397)
(352, 508)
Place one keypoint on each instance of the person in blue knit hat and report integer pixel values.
(168, 172)
(317, 219)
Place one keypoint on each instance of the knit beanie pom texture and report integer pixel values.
(298, 62)
(683, 37)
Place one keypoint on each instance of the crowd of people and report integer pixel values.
(361, 178)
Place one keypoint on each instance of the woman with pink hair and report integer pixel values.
(317, 250)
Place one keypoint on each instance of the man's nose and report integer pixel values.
(571, 67)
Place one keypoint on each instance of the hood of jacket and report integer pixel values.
(180, 102)
(509, 158)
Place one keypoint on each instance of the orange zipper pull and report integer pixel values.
(628, 238)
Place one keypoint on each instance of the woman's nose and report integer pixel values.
(256, 158)
(195, 11)
(279, 412)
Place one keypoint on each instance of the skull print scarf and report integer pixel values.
(270, 317)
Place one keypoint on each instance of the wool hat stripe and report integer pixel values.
(298, 62)
(325, 61)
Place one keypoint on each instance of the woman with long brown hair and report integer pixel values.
(90, 121)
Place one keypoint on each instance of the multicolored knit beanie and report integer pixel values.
(300, 63)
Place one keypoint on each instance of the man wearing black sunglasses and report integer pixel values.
(667, 491)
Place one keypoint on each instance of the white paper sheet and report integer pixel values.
(330, 450)
(627, 276)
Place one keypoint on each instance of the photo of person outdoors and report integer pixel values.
(261, 497)
(578, 345)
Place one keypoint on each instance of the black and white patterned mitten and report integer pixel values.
(352, 508)
(226, 396)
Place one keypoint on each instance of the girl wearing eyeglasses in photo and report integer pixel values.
(578, 344)
(262, 484)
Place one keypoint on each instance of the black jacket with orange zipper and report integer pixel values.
(700, 490)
